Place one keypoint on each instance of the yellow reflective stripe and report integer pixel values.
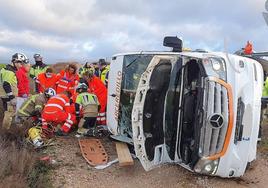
(26, 103)
(38, 106)
(24, 113)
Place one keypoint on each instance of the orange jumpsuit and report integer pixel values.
(67, 82)
(58, 110)
(97, 87)
(45, 82)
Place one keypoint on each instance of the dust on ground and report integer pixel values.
(73, 171)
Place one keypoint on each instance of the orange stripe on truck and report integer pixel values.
(230, 118)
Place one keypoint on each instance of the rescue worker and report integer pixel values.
(46, 80)
(8, 81)
(67, 79)
(85, 68)
(96, 69)
(248, 50)
(57, 110)
(23, 84)
(86, 108)
(96, 86)
(37, 68)
(104, 71)
(34, 105)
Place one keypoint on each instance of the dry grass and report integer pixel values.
(19, 164)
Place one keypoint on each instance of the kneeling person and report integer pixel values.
(87, 106)
(58, 111)
(34, 105)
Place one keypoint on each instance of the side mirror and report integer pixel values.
(173, 42)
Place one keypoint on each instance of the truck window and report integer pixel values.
(133, 67)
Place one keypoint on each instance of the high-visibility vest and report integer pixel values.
(82, 70)
(66, 82)
(8, 75)
(88, 103)
(104, 75)
(45, 82)
(265, 88)
(33, 103)
(37, 69)
(57, 103)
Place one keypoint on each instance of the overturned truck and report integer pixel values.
(198, 109)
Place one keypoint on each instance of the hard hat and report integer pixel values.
(20, 57)
(50, 92)
(82, 87)
(37, 56)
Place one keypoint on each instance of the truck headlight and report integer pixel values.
(205, 166)
(215, 66)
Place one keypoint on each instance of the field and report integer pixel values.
(69, 169)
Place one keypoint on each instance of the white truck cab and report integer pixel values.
(197, 109)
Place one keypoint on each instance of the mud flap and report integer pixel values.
(93, 151)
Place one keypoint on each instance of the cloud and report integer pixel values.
(91, 29)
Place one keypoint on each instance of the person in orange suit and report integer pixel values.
(46, 80)
(97, 87)
(67, 79)
(58, 110)
(248, 50)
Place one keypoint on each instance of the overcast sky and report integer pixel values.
(92, 29)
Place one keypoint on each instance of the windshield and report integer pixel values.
(133, 67)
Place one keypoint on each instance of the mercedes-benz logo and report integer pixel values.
(216, 120)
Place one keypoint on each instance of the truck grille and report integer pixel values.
(215, 119)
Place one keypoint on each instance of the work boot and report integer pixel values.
(90, 132)
(81, 132)
(61, 133)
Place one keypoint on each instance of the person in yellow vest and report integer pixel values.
(37, 68)
(34, 105)
(104, 69)
(87, 67)
(8, 80)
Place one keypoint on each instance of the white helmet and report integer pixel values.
(50, 92)
(20, 57)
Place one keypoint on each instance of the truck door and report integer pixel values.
(148, 114)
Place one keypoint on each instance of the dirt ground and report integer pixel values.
(73, 171)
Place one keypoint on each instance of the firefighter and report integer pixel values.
(8, 81)
(46, 80)
(104, 71)
(58, 110)
(96, 86)
(67, 79)
(85, 68)
(34, 105)
(37, 68)
(86, 107)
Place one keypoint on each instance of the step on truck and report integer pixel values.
(197, 109)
